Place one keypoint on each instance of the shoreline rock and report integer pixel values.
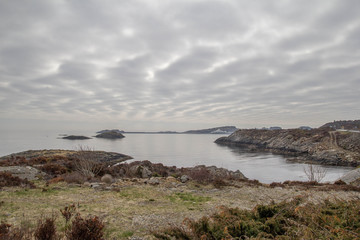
(102, 156)
(321, 146)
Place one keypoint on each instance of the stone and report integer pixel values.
(140, 171)
(87, 184)
(184, 178)
(96, 185)
(154, 181)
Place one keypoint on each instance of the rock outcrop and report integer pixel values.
(323, 146)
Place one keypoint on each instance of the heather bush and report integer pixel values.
(53, 169)
(7, 179)
(46, 229)
(74, 177)
(201, 175)
(286, 220)
(8, 232)
(91, 228)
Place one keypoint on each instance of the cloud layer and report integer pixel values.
(200, 63)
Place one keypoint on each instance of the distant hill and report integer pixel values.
(217, 130)
(348, 124)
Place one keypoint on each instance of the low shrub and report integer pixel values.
(201, 175)
(7, 232)
(7, 180)
(91, 228)
(74, 177)
(286, 220)
(107, 178)
(53, 169)
(46, 229)
(56, 180)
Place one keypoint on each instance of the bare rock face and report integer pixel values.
(323, 146)
(23, 172)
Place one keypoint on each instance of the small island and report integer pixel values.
(75, 137)
(110, 135)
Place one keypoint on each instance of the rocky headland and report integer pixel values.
(321, 146)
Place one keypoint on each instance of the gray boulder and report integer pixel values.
(184, 178)
(140, 171)
(153, 181)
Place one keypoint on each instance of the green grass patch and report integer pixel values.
(188, 197)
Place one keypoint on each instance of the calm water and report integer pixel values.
(181, 150)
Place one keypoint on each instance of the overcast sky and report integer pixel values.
(178, 65)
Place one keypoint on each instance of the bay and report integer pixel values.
(181, 150)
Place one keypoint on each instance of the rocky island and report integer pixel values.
(110, 135)
(74, 137)
(323, 145)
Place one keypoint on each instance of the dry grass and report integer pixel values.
(136, 208)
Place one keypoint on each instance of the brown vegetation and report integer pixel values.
(7, 180)
(90, 228)
(292, 220)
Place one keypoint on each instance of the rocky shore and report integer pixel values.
(101, 156)
(321, 146)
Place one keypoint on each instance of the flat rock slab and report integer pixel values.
(351, 177)
(22, 172)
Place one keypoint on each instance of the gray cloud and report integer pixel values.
(180, 63)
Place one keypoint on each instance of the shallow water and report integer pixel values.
(181, 150)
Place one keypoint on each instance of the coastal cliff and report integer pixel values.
(323, 146)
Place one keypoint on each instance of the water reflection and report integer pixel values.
(181, 150)
(269, 167)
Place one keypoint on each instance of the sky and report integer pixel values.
(178, 65)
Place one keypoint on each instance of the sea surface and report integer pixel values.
(181, 150)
